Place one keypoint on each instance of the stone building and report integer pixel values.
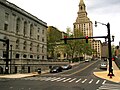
(55, 44)
(27, 36)
(97, 45)
(83, 24)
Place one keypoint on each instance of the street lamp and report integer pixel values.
(109, 47)
(10, 57)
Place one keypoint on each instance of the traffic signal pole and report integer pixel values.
(109, 45)
(110, 52)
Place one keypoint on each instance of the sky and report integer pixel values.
(63, 13)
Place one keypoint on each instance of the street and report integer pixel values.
(80, 77)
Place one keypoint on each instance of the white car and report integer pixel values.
(87, 60)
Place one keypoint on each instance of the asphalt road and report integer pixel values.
(79, 77)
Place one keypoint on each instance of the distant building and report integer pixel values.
(27, 36)
(97, 45)
(83, 24)
(104, 49)
(55, 44)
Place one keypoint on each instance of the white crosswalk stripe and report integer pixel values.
(61, 79)
(84, 81)
(64, 79)
(72, 80)
(91, 81)
(78, 80)
(109, 87)
(97, 81)
(55, 79)
(104, 82)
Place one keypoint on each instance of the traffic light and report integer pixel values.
(86, 39)
(65, 39)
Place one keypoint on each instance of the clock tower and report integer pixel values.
(82, 24)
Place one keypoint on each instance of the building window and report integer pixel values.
(24, 56)
(6, 16)
(24, 45)
(42, 57)
(25, 28)
(38, 37)
(17, 56)
(31, 46)
(17, 44)
(18, 25)
(38, 30)
(31, 30)
(42, 49)
(38, 57)
(31, 56)
(37, 48)
(42, 39)
(4, 54)
(5, 27)
(43, 31)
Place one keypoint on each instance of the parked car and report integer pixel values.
(87, 60)
(56, 69)
(66, 67)
(103, 65)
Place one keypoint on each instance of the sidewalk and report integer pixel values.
(116, 72)
(28, 74)
(22, 75)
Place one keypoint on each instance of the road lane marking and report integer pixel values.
(78, 80)
(66, 79)
(72, 80)
(55, 79)
(97, 81)
(49, 78)
(91, 81)
(82, 68)
(61, 79)
(104, 82)
(84, 81)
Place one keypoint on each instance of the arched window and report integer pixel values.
(17, 25)
(25, 28)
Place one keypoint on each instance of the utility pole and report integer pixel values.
(109, 47)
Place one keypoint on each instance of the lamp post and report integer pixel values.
(109, 47)
(10, 57)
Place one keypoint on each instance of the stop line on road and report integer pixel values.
(69, 80)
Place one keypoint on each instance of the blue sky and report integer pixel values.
(63, 13)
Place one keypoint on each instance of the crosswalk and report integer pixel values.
(109, 87)
(68, 79)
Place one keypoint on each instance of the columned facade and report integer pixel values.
(26, 33)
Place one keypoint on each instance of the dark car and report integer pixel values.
(66, 67)
(56, 69)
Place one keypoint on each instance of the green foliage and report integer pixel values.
(77, 47)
